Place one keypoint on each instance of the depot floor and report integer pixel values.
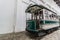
(24, 36)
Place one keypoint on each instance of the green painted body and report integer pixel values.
(48, 22)
(32, 24)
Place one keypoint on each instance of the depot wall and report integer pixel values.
(6, 16)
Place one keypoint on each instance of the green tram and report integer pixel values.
(40, 18)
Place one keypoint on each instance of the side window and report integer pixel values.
(41, 14)
(46, 14)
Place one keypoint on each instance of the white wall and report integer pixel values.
(21, 16)
(53, 5)
(6, 16)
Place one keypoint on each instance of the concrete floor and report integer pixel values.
(25, 36)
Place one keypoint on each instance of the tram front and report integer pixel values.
(34, 16)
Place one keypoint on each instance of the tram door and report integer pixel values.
(39, 17)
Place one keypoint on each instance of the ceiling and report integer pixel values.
(57, 2)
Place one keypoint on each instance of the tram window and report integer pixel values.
(46, 14)
(50, 16)
(41, 14)
(28, 16)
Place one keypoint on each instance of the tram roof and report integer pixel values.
(34, 8)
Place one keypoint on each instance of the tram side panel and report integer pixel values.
(49, 22)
